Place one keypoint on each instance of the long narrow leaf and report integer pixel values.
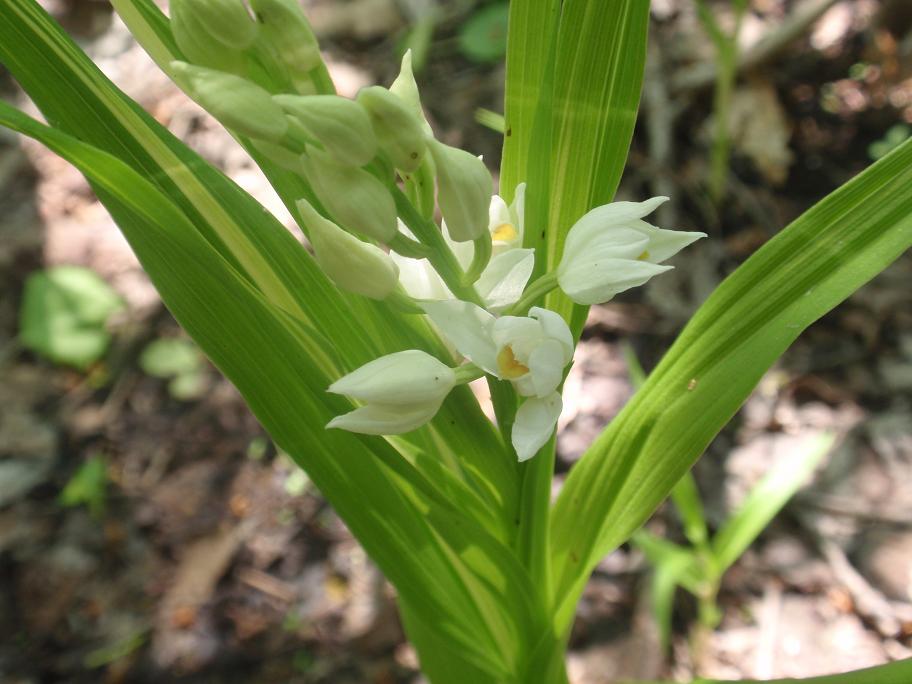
(765, 501)
(805, 271)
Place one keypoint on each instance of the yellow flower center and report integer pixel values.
(509, 367)
(505, 232)
(644, 256)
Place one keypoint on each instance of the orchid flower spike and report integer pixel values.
(611, 249)
(401, 391)
(529, 351)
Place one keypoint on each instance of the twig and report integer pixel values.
(847, 507)
(870, 603)
(704, 75)
(770, 615)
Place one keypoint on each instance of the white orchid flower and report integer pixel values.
(502, 282)
(611, 249)
(401, 391)
(506, 223)
(529, 351)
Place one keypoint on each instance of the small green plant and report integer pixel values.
(178, 361)
(64, 315)
(725, 43)
(88, 486)
(483, 37)
(893, 138)
(699, 567)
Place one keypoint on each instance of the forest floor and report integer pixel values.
(210, 558)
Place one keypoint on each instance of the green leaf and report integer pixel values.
(597, 84)
(171, 356)
(87, 486)
(672, 565)
(483, 37)
(531, 26)
(64, 315)
(757, 312)
(686, 498)
(765, 501)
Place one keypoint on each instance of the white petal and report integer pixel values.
(468, 327)
(555, 327)
(463, 251)
(419, 279)
(593, 242)
(620, 213)
(380, 419)
(505, 278)
(596, 283)
(535, 421)
(546, 367)
(664, 244)
(518, 209)
(520, 333)
(498, 213)
(401, 379)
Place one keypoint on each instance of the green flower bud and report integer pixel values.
(464, 189)
(236, 102)
(341, 126)
(197, 44)
(226, 21)
(399, 131)
(353, 265)
(355, 199)
(406, 89)
(279, 155)
(286, 30)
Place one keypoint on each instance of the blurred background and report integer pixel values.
(149, 530)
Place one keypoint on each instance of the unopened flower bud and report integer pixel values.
(285, 28)
(198, 44)
(399, 379)
(227, 21)
(402, 392)
(352, 264)
(340, 125)
(405, 87)
(355, 199)
(464, 189)
(236, 102)
(399, 131)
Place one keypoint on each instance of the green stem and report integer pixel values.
(533, 538)
(441, 256)
(420, 188)
(401, 244)
(467, 372)
(533, 293)
(727, 53)
(722, 100)
(480, 258)
(503, 398)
